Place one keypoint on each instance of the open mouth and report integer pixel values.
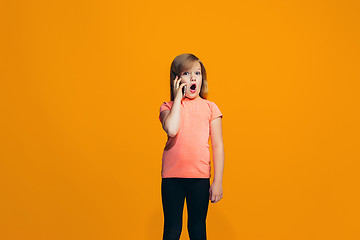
(193, 88)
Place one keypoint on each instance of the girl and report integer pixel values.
(189, 119)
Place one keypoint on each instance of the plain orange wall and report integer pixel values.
(81, 87)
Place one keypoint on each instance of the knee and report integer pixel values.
(197, 231)
(172, 232)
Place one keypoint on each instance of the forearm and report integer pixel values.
(172, 121)
(218, 159)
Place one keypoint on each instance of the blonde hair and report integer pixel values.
(183, 62)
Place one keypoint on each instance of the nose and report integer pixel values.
(193, 77)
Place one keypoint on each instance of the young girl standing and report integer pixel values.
(189, 119)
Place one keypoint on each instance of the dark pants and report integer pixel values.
(173, 192)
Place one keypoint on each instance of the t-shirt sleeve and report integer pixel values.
(164, 106)
(215, 111)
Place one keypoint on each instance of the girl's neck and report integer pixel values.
(191, 99)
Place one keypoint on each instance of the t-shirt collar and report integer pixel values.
(185, 99)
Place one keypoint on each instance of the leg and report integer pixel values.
(197, 200)
(173, 197)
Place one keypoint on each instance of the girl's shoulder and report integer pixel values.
(210, 103)
(214, 110)
(166, 105)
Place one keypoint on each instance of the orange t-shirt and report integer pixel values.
(187, 155)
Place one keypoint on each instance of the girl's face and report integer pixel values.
(193, 79)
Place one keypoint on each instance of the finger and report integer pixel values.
(176, 83)
(179, 82)
(182, 85)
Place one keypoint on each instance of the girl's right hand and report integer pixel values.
(177, 90)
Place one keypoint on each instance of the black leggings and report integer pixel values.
(173, 192)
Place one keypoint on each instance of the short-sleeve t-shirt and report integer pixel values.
(187, 154)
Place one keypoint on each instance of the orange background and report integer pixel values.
(81, 87)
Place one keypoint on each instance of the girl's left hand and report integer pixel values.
(216, 192)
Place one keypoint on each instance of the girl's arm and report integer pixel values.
(218, 149)
(171, 119)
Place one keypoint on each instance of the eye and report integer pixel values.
(198, 73)
(185, 73)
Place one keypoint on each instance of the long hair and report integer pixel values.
(181, 63)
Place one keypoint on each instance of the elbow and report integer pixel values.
(171, 130)
(172, 133)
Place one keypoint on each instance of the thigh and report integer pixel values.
(173, 197)
(197, 199)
